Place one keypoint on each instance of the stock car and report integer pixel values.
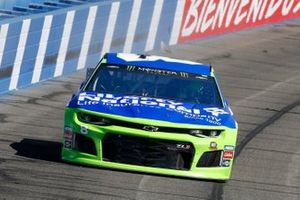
(151, 114)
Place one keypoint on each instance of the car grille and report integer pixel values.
(147, 152)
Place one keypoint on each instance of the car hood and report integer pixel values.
(153, 108)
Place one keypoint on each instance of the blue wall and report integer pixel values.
(42, 46)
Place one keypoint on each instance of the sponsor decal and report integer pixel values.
(68, 144)
(225, 163)
(164, 72)
(91, 99)
(154, 71)
(68, 133)
(68, 137)
(208, 118)
(210, 17)
(228, 155)
(111, 100)
(215, 111)
(84, 130)
(229, 148)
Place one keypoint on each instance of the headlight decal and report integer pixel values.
(208, 133)
(92, 119)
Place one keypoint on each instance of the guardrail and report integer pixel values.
(45, 45)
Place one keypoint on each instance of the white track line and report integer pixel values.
(19, 55)
(42, 49)
(64, 43)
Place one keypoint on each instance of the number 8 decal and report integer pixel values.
(84, 130)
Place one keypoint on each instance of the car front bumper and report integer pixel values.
(219, 169)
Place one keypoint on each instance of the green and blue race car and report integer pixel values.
(151, 114)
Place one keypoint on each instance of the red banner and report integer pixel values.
(210, 17)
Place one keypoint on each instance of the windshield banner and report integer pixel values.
(210, 17)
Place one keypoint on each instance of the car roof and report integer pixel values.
(158, 62)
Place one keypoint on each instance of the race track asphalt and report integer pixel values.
(259, 72)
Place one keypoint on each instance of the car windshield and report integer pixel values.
(157, 83)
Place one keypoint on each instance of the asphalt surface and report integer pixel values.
(259, 72)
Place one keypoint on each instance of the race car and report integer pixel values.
(151, 114)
